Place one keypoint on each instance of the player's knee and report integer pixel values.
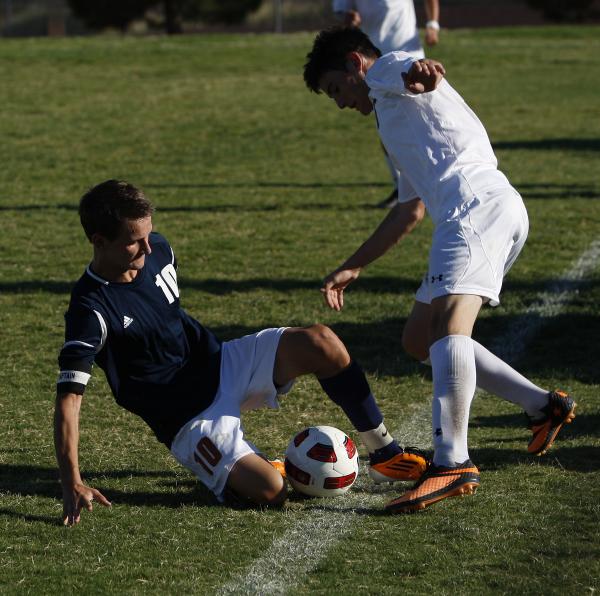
(274, 496)
(327, 346)
(255, 482)
(415, 345)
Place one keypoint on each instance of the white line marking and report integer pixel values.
(316, 529)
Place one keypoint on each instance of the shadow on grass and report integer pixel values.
(558, 191)
(376, 285)
(583, 425)
(264, 184)
(29, 480)
(558, 144)
(584, 459)
(29, 517)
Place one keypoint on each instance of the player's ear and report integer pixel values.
(355, 62)
(97, 240)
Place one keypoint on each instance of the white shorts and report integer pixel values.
(211, 443)
(472, 252)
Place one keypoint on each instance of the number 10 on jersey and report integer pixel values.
(166, 280)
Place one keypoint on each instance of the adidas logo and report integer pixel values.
(127, 321)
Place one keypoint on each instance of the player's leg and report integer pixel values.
(213, 447)
(317, 350)
(454, 374)
(415, 335)
(453, 367)
(547, 410)
(253, 478)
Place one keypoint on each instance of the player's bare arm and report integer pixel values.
(424, 76)
(399, 222)
(76, 495)
(432, 27)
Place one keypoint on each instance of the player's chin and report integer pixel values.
(138, 263)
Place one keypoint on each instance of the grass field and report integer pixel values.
(263, 189)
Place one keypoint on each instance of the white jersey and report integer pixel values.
(434, 139)
(390, 24)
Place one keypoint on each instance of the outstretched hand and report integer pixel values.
(334, 285)
(78, 498)
(423, 76)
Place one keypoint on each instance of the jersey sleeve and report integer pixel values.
(385, 76)
(85, 335)
(405, 190)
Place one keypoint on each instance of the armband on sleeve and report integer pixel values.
(85, 334)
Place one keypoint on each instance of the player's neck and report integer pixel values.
(111, 273)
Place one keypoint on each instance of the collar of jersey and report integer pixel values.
(105, 282)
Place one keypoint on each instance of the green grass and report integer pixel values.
(262, 189)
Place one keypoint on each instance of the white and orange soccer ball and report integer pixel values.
(321, 461)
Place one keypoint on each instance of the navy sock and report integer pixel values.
(350, 390)
(385, 453)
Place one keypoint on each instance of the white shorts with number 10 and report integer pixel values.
(211, 443)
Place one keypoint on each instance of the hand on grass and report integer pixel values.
(423, 76)
(78, 498)
(334, 285)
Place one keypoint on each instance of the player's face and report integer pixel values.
(129, 249)
(347, 89)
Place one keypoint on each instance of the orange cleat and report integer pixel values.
(438, 482)
(407, 465)
(560, 410)
(279, 466)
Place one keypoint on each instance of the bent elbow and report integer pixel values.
(418, 211)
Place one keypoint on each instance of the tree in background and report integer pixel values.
(564, 10)
(117, 13)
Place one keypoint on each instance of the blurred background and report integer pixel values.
(19, 18)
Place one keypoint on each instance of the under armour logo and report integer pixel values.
(127, 321)
(436, 277)
(438, 432)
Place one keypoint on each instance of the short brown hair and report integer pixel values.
(330, 52)
(104, 207)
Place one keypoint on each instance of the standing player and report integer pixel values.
(392, 26)
(188, 386)
(449, 169)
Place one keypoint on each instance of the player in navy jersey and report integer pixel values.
(189, 387)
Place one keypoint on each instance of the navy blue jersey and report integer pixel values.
(160, 363)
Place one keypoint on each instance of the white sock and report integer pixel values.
(453, 368)
(497, 377)
(376, 438)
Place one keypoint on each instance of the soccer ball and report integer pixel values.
(321, 461)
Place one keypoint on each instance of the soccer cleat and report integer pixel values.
(559, 410)
(436, 484)
(409, 464)
(390, 201)
(279, 466)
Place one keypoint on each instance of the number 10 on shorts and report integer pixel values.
(207, 454)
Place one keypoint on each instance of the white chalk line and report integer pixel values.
(314, 531)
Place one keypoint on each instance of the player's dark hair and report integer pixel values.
(330, 52)
(104, 207)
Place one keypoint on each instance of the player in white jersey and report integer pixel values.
(449, 170)
(392, 26)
